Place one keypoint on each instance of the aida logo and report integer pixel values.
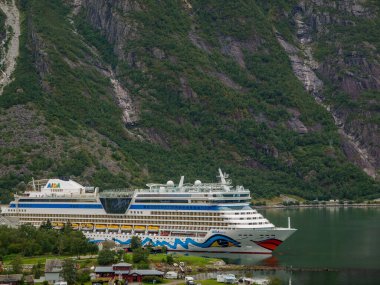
(54, 185)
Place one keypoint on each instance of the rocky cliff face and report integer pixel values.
(10, 41)
(348, 70)
(108, 17)
(125, 92)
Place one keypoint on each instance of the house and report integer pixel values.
(123, 271)
(53, 268)
(15, 279)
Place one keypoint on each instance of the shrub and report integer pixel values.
(151, 279)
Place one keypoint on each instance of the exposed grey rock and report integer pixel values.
(156, 137)
(21, 125)
(110, 18)
(365, 77)
(360, 147)
(226, 80)
(355, 7)
(188, 92)
(199, 42)
(41, 58)
(261, 118)
(296, 125)
(234, 48)
(158, 53)
(252, 163)
(9, 48)
(302, 68)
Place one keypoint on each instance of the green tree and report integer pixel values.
(16, 264)
(69, 272)
(135, 243)
(83, 276)
(46, 225)
(127, 257)
(140, 255)
(169, 259)
(37, 270)
(106, 257)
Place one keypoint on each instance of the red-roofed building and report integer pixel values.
(123, 271)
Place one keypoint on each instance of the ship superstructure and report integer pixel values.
(207, 217)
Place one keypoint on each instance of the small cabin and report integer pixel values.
(171, 275)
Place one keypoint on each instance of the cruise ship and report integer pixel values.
(199, 217)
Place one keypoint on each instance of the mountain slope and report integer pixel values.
(119, 93)
(337, 60)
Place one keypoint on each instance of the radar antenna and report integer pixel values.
(34, 185)
(222, 177)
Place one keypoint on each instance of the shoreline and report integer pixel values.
(355, 205)
(234, 267)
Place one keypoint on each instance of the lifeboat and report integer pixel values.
(126, 228)
(57, 225)
(153, 228)
(87, 227)
(100, 227)
(113, 227)
(75, 226)
(139, 228)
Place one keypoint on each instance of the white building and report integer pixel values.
(53, 268)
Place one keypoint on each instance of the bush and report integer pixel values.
(169, 259)
(142, 265)
(150, 279)
(83, 277)
(106, 257)
(135, 242)
(140, 255)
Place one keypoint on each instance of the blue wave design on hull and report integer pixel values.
(221, 239)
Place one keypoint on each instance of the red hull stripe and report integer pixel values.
(209, 251)
(270, 244)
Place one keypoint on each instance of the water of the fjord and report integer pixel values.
(342, 243)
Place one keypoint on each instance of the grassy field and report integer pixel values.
(33, 259)
(187, 259)
(155, 258)
(42, 259)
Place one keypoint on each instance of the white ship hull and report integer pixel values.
(257, 241)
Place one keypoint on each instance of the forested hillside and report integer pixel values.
(283, 95)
